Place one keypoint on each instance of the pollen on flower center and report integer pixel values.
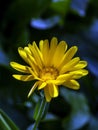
(48, 73)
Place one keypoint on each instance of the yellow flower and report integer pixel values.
(51, 65)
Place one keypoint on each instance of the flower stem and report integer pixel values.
(40, 113)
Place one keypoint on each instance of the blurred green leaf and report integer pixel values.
(80, 114)
(3, 124)
(6, 123)
(36, 111)
(60, 6)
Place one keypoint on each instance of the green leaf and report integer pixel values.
(6, 123)
(3, 124)
(36, 109)
(61, 6)
(80, 114)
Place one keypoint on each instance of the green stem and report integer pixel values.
(40, 113)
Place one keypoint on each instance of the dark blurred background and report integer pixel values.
(76, 22)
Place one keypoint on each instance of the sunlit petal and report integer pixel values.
(23, 54)
(78, 66)
(53, 90)
(65, 77)
(19, 67)
(69, 65)
(79, 73)
(42, 85)
(47, 95)
(32, 89)
(68, 56)
(35, 54)
(73, 84)
(53, 46)
(23, 77)
(59, 53)
(44, 47)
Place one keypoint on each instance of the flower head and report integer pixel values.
(51, 65)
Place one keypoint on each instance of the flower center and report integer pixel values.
(48, 73)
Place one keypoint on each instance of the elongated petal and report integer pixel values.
(53, 90)
(47, 95)
(23, 54)
(32, 89)
(80, 65)
(68, 56)
(44, 47)
(65, 76)
(42, 85)
(26, 49)
(38, 51)
(19, 67)
(56, 82)
(53, 46)
(23, 77)
(69, 65)
(33, 73)
(32, 64)
(35, 54)
(59, 53)
(73, 84)
(79, 73)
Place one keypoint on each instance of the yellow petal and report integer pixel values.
(41, 43)
(53, 46)
(35, 54)
(27, 50)
(32, 64)
(79, 73)
(53, 90)
(38, 51)
(59, 53)
(19, 67)
(44, 47)
(69, 65)
(65, 77)
(73, 84)
(32, 89)
(23, 77)
(56, 82)
(42, 85)
(47, 95)
(80, 65)
(23, 54)
(33, 73)
(68, 56)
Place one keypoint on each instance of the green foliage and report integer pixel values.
(61, 7)
(6, 123)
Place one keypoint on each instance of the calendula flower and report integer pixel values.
(50, 65)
